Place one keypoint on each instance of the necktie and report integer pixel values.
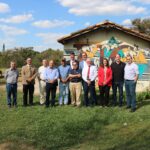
(88, 74)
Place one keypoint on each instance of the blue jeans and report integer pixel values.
(118, 85)
(130, 87)
(63, 93)
(11, 90)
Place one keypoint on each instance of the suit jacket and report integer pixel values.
(28, 73)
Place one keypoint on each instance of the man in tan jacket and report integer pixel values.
(28, 80)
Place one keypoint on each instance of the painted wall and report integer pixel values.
(107, 43)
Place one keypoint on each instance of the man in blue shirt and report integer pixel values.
(63, 70)
(51, 75)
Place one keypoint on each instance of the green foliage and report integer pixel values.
(142, 25)
(67, 127)
(21, 55)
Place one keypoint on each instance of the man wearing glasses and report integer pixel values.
(75, 84)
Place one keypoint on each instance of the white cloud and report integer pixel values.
(50, 39)
(12, 31)
(87, 24)
(145, 1)
(17, 18)
(4, 7)
(101, 7)
(52, 23)
(127, 22)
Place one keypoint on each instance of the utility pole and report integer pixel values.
(3, 47)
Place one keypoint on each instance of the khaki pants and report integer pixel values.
(42, 87)
(75, 90)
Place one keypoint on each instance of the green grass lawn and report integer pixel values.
(61, 128)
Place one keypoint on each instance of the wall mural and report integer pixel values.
(111, 47)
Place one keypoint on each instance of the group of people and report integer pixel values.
(72, 76)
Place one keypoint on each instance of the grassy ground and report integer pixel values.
(61, 128)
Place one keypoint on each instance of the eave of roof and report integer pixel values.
(104, 24)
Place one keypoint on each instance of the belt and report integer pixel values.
(75, 81)
(128, 80)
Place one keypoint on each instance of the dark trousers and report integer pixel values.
(118, 85)
(91, 89)
(50, 91)
(29, 88)
(104, 95)
(11, 90)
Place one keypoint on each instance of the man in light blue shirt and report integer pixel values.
(82, 63)
(64, 83)
(51, 75)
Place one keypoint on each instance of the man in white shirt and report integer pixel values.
(42, 83)
(89, 74)
(131, 77)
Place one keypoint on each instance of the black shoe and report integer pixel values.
(128, 107)
(9, 106)
(133, 110)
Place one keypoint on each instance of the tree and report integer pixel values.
(141, 25)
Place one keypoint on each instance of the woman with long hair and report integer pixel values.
(104, 81)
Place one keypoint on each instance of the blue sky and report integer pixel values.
(39, 23)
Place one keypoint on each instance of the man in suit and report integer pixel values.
(28, 80)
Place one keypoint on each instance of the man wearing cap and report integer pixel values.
(63, 70)
(75, 84)
(11, 76)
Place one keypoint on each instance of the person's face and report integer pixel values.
(13, 65)
(84, 56)
(72, 56)
(117, 58)
(51, 64)
(129, 60)
(44, 62)
(105, 62)
(29, 61)
(75, 65)
(63, 63)
(88, 62)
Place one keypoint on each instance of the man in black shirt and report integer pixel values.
(118, 79)
(75, 84)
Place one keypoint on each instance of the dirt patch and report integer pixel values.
(15, 146)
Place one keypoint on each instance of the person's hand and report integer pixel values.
(104, 83)
(29, 79)
(89, 82)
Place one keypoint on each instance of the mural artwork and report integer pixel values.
(111, 47)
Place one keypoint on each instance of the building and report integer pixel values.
(106, 39)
